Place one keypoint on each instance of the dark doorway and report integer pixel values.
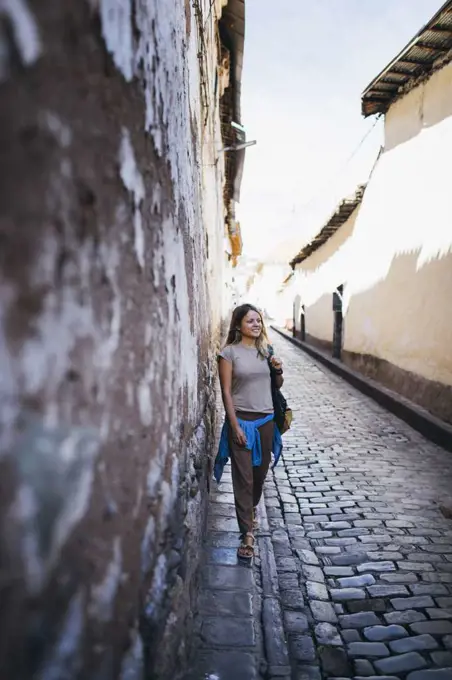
(302, 325)
(338, 322)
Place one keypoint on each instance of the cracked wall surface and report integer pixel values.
(111, 270)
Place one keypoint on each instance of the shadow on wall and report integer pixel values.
(399, 332)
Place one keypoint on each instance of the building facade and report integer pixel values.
(387, 270)
(114, 202)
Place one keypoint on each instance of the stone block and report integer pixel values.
(335, 662)
(316, 591)
(224, 602)
(376, 555)
(219, 524)
(275, 643)
(420, 602)
(432, 589)
(326, 634)
(323, 611)
(360, 620)
(444, 602)
(338, 571)
(327, 550)
(346, 594)
(387, 590)
(227, 556)
(319, 534)
(308, 673)
(295, 622)
(368, 649)
(292, 599)
(378, 567)
(432, 627)
(384, 633)
(401, 664)
(404, 617)
(308, 557)
(364, 668)
(442, 658)
(286, 564)
(432, 674)
(225, 664)
(369, 605)
(313, 573)
(357, 581)
(350, 560)
(351, 635)
(399, 577)
(335, 526)
(340, 542)
(415, 566)
(228, 578)
(302, 647)
(376, 677)
(223, 539)
(418, 643)
(224, 631)
(438, 613)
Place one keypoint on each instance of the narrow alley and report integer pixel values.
(362, 551)
(174, 174)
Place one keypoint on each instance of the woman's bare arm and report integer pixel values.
(225, 373)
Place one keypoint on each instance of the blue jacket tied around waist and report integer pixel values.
(253, 443)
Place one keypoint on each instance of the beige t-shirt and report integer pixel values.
(251, 383)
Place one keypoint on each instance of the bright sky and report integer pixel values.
(306, 64)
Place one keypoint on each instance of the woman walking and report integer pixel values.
(249, 435)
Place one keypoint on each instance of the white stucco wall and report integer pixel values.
(428, 104)
(317, 277)
(398, 292)
(394, 254)
(264, 292)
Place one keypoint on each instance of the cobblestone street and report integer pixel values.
(363, 549)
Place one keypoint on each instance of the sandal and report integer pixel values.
(245, 551)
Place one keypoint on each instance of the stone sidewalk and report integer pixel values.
(363, 549)
(239, 629)
(353, 573)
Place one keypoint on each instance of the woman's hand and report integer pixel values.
(276, 363)
(239, 436)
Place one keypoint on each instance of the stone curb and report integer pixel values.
(418, 418)
(272, 622)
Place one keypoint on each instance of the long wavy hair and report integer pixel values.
(234, 334)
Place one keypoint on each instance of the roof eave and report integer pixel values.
(374, 101)
(342, 213)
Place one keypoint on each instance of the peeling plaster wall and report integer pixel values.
(111, 269)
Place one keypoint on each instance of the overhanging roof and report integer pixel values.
(337, 219)
(430, 48)
(232, 31)
(233, 25)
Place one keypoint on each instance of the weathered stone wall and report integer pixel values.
(111, 237)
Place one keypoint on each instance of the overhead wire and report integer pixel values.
(346, 163)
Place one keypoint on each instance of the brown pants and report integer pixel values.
(248, 481)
